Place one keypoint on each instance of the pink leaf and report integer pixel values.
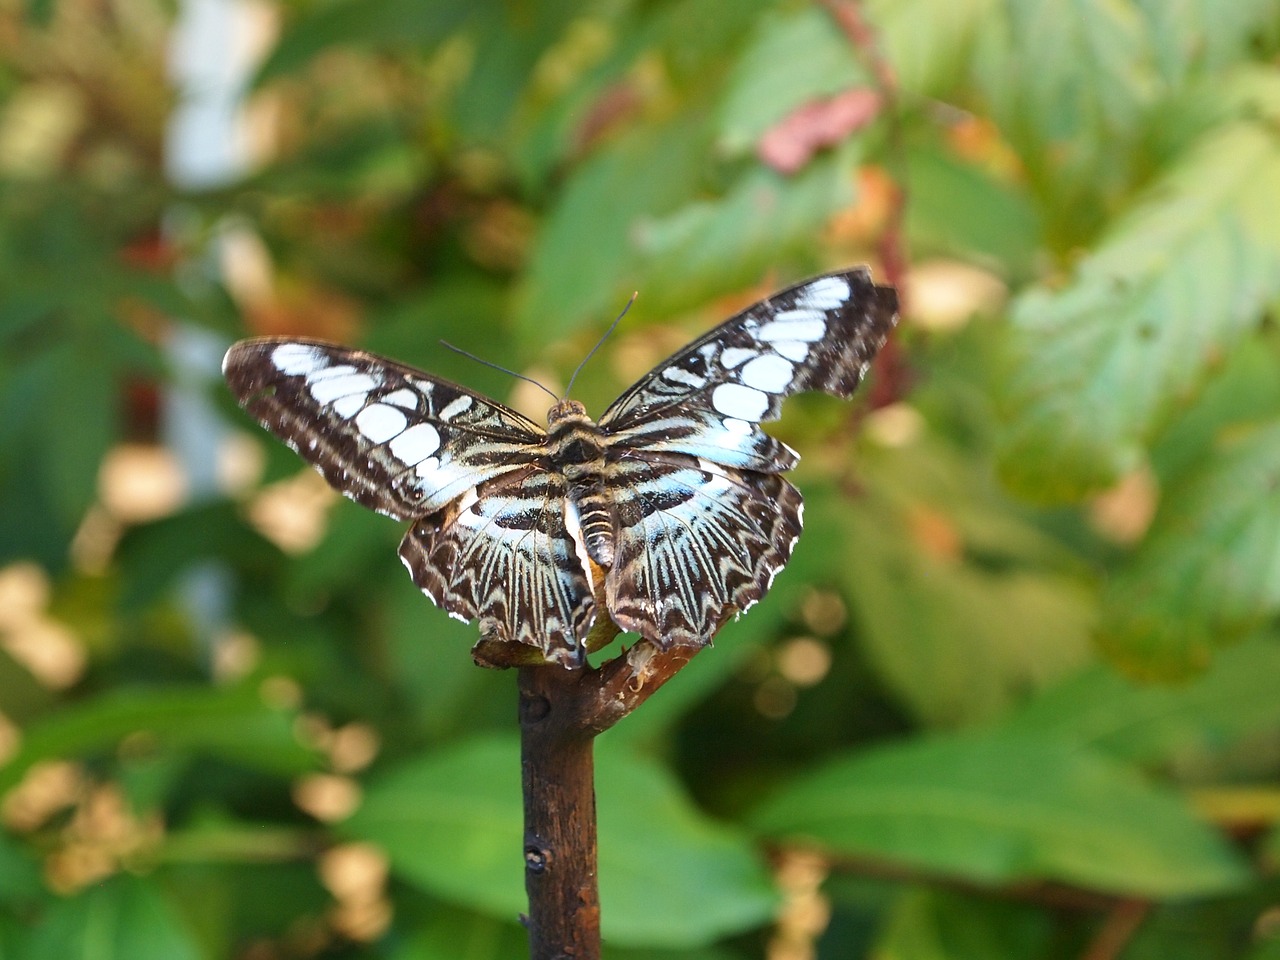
(791, 142)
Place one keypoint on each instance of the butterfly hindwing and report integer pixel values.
(696, 543)
(708, 399)
(502, 554)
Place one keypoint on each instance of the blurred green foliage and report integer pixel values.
(1016, 695)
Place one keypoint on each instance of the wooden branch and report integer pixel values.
(1121, 926)
(849, 15)
(557, 774)
(625, 682)
(561, 713)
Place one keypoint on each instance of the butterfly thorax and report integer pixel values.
(576, 447)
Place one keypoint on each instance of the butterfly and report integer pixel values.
(673, 503)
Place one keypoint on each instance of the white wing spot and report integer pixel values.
(455, 407)
(680, 375)
(404, 397)
(337, 370)
(297, 359)
(731, 357)
(329, 389)
(794, 325)
(740, 427)
(348, 407)
(771, 373)
(427, 469)
(415, 444)
(825, 294)
(735, 400)
(380, 423)
(795, 350)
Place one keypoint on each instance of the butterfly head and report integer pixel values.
(566, 410)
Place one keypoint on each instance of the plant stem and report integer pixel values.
(557, 773)
(561, 712)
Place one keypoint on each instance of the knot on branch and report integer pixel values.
(536, 858)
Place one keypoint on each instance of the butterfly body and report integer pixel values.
(675, 496)
(577, 449)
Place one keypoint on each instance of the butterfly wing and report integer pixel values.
(708, 399)
(703, 522)
(384, 434)
(695, 543)
(489, 540)
(502, 554)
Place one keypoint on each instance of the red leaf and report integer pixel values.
(790, 143)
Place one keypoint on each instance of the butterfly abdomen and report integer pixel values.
(577, 449)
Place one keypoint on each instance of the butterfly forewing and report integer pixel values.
(708, 399)
(388, 436)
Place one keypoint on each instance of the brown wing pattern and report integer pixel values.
(709, 399)
(503, 555)
(703, 521)
(386, 435)
(488, 540)
(696, 543)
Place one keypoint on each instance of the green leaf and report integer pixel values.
(652, 839)
(1068, 69)
(1271, 848)
(1203, 35)
(353, 23)
(124, 917)
(451, 823)
(961, 605)
(1268, 948)
(708, 247)
(19, 874)
(1204, 930)
(942, 925)
(232, 723)
(1173, 725)
(1001, 808)
(796, 56)
(959, 209)
(451, 934)
(586, 251)
(79, 428)
(153, 556)
(429, 661)
(510, 47)
(931, 43)
(1209, 570)
(1101, 363)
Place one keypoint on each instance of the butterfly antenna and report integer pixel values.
(495, 366)
(600, 343)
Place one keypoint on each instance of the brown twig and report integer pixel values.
(1117, 930)
(557, 774)
(561, 713)
(862, 36)
(892, 375)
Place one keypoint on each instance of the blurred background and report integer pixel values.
(1016, 695)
